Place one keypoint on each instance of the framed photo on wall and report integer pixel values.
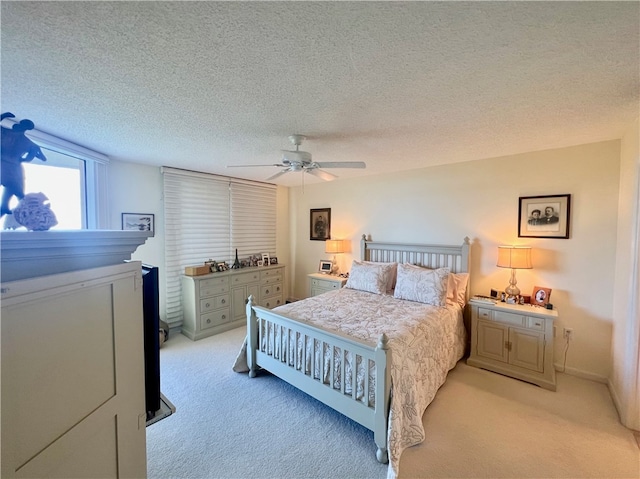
(544, 216)
(138, 222)
(320, 224)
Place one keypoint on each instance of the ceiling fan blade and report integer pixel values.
(325, 175)
(341, 164)
(280, 173)
(253, 166)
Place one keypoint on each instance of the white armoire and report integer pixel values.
(73, 402)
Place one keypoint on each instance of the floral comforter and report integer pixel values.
(426, 342)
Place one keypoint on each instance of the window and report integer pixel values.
(73, 178)
(61, 179)
(209, 217)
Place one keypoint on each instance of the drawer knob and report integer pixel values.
(267, 291)
(224, 316)
(223, 301)
(278, 288)
(208, 321)
(208, 304)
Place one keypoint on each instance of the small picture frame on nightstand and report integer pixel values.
(325, 267)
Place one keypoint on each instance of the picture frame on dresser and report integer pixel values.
(544, 216)
(540, 295)
(325, 267)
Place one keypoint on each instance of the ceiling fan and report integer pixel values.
(297, 160)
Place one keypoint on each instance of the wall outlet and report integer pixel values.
(567, 333)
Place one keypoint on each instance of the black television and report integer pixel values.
(151, 318)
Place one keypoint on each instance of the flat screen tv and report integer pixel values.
(151, 315)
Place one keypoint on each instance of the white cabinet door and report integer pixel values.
(527, 349)
(73, 375)
(492, 341)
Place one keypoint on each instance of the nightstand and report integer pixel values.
(321, 283)
(514, 340)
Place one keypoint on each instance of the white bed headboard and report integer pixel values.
(454, 257)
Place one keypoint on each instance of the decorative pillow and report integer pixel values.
(371, 277)
(423, 285)
(457, 288)
(391, 274)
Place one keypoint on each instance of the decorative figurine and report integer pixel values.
(34, 213)
(16, 149)
(236, 263)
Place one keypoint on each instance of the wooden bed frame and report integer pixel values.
(374, 418)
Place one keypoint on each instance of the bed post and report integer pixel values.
(252, 337)
(383, 360)
(363, 248)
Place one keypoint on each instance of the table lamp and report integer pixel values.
(514, 257)
(334, 246)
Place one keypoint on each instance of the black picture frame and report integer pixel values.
(138, 222)
(544, 216)
(320, 224)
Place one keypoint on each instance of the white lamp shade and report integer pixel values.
(514, 257)
(334, 246)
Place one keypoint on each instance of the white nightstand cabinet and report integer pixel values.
(321, 283)
(514, 340)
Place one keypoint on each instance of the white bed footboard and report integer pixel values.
(285, 347)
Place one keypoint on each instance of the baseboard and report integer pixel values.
(582, 374)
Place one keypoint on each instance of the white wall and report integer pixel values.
(625, 382)
(479, 199)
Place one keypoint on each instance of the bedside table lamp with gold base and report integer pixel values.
(336, 247)
(514, 257)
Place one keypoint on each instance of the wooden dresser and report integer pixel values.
(214, 303)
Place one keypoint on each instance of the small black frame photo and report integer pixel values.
(320, 224)
(544, 216)
(138, 222)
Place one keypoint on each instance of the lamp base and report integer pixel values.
(512, 290)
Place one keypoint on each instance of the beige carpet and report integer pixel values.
(481, 425)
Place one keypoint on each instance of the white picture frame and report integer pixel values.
(325, 266)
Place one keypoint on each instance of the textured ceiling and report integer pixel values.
(399, 85)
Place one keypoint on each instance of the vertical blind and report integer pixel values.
(209, 217)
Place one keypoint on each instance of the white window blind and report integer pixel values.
(208, 217)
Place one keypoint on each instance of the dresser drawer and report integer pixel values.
(215, 302)
(325, 284)
(270, 290)
(214, 290)
(276, 278)
(535, 323)
(245, 278)
(215, 318)
(273, 301)
(270, 273)
(209, 283)
(510, 318)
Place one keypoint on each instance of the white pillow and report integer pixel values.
(423, 285)
(371, 277)
(457, 288)
(391, 273)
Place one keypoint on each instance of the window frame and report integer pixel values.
(95, 206)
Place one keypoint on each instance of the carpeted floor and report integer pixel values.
(481, 425)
